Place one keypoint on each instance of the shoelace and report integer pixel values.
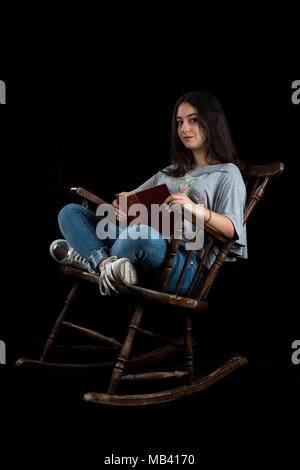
(75, 257)
(105, 286)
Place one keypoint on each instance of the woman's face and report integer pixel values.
(188, 128)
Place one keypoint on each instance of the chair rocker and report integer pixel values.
(256, 179)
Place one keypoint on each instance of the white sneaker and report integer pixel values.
(115, 269)
(63, 253)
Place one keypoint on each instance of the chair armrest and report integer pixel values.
(215, 233)
(260, 171)
(218, 235)
(87, 195)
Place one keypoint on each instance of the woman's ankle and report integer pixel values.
(103, 261)
(101, 264)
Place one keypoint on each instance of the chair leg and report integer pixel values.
(68, 302)
(126, 349)
(189, 357)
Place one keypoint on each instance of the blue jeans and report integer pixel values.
(78, 226)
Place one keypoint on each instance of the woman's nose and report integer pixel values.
(186, 127)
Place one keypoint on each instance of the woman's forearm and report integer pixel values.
(219, 222)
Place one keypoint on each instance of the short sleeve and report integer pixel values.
(230, 201)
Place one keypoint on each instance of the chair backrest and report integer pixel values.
(256, 178)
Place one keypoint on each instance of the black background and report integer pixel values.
(107, 129)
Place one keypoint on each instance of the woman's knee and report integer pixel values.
(140, 241)
(68, 212)
(142, 232)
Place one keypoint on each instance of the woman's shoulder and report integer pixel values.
(231, 170)
(166, 172)
(170, 167)
(225, 170)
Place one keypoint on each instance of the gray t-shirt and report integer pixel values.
(218, 187)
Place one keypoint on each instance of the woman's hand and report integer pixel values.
(121, 215)
(181, 199)
(219, 222)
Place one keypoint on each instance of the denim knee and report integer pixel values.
(66, 212)
(142, 233)
(140, 243)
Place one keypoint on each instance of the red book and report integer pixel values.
(155, 195)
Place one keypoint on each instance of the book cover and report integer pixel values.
(154, 215)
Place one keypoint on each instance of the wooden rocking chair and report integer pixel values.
(256, 179)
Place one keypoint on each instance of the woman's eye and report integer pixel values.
(193, 120)
(179, 123)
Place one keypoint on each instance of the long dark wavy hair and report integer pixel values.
(213, 123)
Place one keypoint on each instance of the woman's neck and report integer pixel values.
(201, 158)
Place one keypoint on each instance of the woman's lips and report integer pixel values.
(187, 137)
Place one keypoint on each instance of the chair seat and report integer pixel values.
(141, 292)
